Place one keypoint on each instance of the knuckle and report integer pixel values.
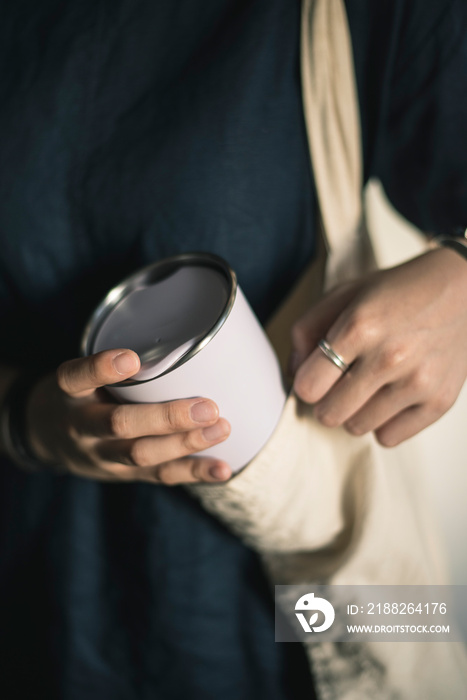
(174, 416)
(192, 441)
(359, 328)
(93, 369)
(391, 357)
(138, 454)
(197, 468)
(166, 476)
(119, 422)
(421, 380)
(62, 377)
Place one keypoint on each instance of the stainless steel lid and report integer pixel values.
(166, 312)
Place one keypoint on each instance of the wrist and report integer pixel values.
(39, 416)
(452, 266)
(455, 243)
(15, 419)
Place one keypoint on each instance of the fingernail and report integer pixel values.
(204, 411)
(125, 363)
(216, 432)
(218, 472)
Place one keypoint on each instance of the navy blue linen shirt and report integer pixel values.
(132, 130)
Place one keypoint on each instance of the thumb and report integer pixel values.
(82, 376)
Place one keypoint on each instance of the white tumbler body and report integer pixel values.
(239, 370)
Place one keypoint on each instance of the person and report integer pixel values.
(131, 134)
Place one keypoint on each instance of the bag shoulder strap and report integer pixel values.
(332, 119)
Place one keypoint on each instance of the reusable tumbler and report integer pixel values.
(196, 336)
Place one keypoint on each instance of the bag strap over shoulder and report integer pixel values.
(332, 118)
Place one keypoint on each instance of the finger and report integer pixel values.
(317, 375)
(415, 418)
(179, 471)
(405, 425)
(310, 328)
(82, 376)
(100, 471)
(387, 403)
(186, 471)
(347, 396)
(151, 451)
(358, 387)
(127, 421)
(352, 335)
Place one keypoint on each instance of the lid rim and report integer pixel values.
(161, 268)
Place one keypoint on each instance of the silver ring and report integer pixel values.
(333, 356)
